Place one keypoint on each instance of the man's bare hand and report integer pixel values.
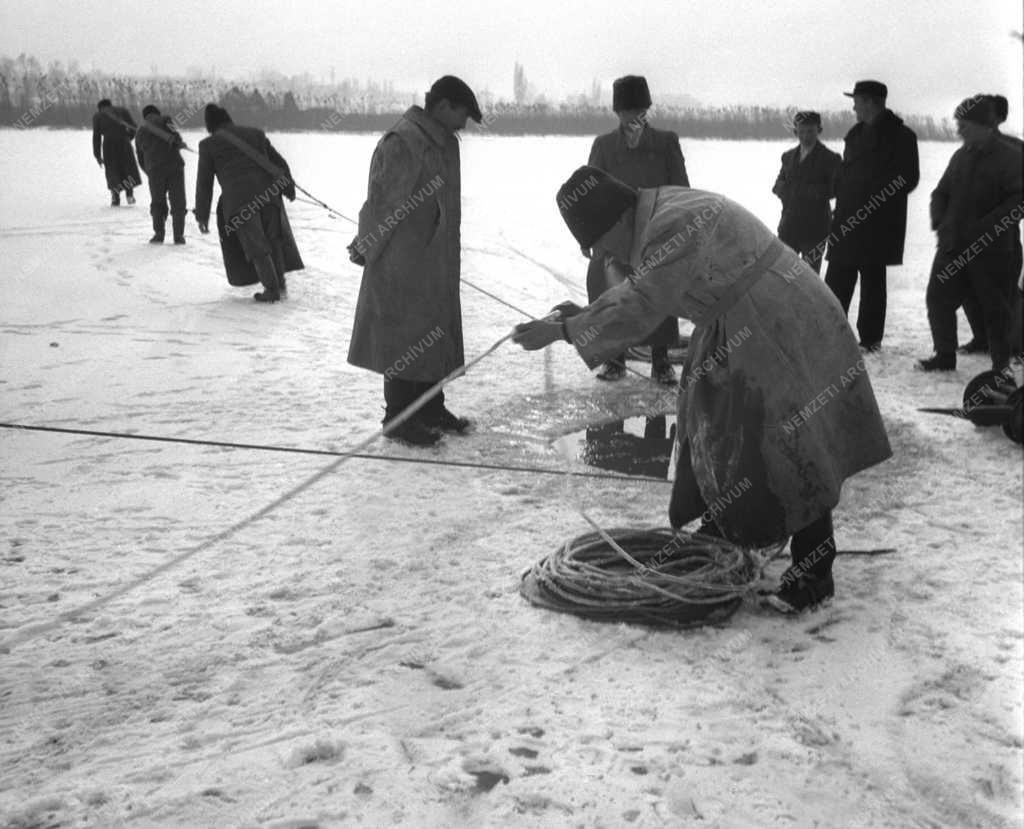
(537, 334)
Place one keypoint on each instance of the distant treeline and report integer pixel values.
(30, 97)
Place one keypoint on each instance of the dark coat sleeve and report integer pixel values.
(97, 137)
(941, 194)
(676, 163)
(909, 166)
(278, 161)
(1010, 196)
(833, 162)
(596, 155)
(779, 188)
(204, 184)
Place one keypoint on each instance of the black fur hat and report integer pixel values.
(977, 109)
(630, 92)
(105, 102)
(215, 117)
(591, 202)
(149, 109)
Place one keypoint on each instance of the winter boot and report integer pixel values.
(115, 198)
(613, 370)
(158, 232)
(939, 362)
(178, 228)
(131, 196)
(975, 346)
(414, 432)
(661, 369)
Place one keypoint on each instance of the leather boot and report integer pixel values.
(158, 231)
(178, 228)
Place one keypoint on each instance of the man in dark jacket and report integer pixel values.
(408, 321)
(112, 131)
(806, 184)
(879, 170)
(976, 210)
(158, 145)
(252, 176)
(641, 156)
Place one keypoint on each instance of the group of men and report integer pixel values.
(257, 244)
(660, 250)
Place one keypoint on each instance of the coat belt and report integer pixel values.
(748, 276)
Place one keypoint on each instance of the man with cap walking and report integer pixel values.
(879, 170)
(975, 211)
(158, 146)
(806, 183)
(786, 413)
(641, 156)
(112, 131)
(408, 319)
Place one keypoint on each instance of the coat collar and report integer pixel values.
(434, 130)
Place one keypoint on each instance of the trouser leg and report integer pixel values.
(975, 315)
(990, 278)
(157, 203)
(944, 295)
(842, 279)
(871, 316)
(176, 193)
(267, 273)
(812, 256)
(813, 548)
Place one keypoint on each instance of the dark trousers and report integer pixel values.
(842, 279)
(975, 316)
(989, 277)
(812, 549)
(665, 335)
(398, 394)
(164, 185)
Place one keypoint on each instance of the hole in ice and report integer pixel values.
(634, 445)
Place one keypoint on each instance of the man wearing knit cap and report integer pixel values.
(805, 184)
(975, 212)
(775, 397)
(869, 225)
(158, 146)
(641, 156)
(408, 321)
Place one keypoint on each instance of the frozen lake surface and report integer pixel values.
(359, 654)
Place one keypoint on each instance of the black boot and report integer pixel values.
(267, 273)
(178, 229)
(975, 346)
(661, 368)
(808, 580)
(158, 231)
(115, 198)
(130, 195)
(939, 362)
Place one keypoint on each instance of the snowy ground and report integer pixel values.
(359, 654)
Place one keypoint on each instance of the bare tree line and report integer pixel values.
(31, 96)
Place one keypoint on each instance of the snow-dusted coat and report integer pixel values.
(408, 320)
(112, 133)
(776, 409)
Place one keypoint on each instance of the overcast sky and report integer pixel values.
(931, 53)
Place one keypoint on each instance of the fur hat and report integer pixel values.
(149, 109)
(630, 92)
(591, 202)
(105, 102)
(977, 109)
(215, 117)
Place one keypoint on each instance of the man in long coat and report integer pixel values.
(112, 131)
(775, 399)
(158, 146)
(976, 211)
(805, 184)
(869, 226)
(408, 320)
(253, 177)
(641, 156)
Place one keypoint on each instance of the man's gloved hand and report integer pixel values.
(354, 255)
(566, 309)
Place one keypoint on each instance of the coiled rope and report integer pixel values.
(652, 576)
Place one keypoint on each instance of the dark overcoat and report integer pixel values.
(656, 161)
(112, 133)
(253, 177)
(805, 188)
(879, 170)
(775, 407)
(408, 320)
(158, 145)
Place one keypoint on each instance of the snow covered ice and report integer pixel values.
(360, 654)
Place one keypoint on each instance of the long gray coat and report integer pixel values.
(776, 409)
(408, 321)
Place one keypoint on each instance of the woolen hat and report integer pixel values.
(457, 92)
(873, 89)
(215, 117)
(1000, 107)
(977, 109)
(630, 92)
(591, 202)
(806, 117)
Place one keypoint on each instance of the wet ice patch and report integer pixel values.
(634, 445)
